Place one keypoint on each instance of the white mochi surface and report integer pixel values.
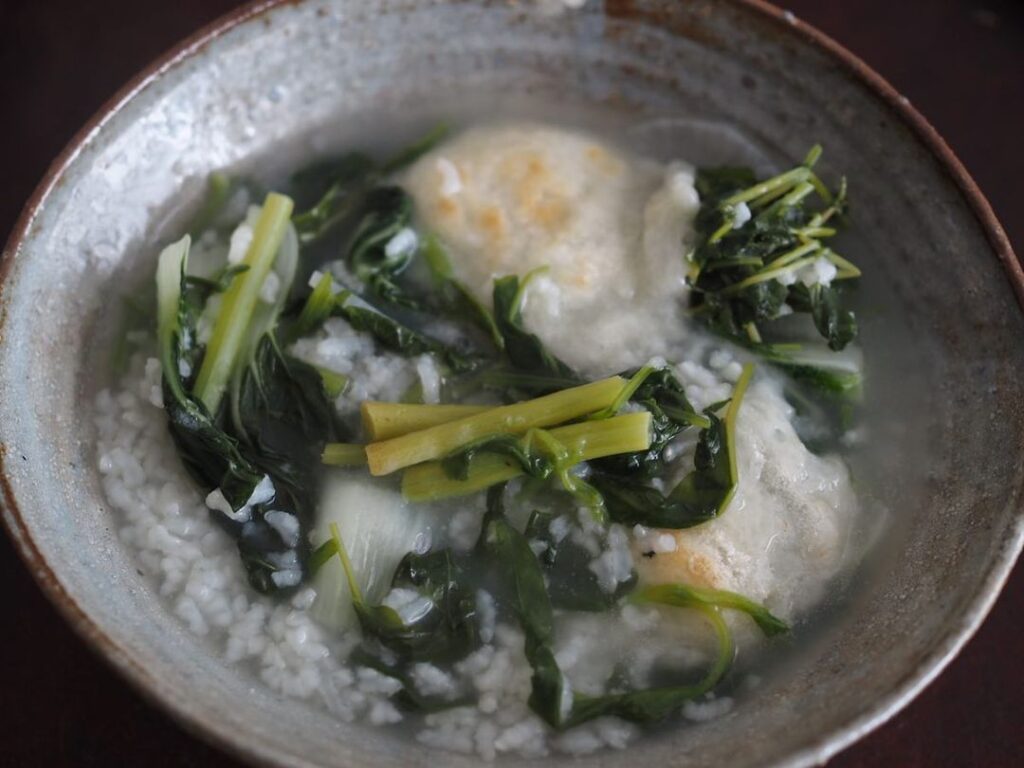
(609, 229)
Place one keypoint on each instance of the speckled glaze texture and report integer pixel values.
(265, 81)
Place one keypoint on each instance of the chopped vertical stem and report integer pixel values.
(382, 421)
(231, 325)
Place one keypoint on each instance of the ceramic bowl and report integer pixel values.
(280, 80)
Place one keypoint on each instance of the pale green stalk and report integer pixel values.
(577, 442)
(387, 456)
(382, 421)
(344, 455)
(229, 330)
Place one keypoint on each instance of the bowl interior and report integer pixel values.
(717, 81)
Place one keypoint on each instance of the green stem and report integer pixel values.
(334, 383)
(565, 458)
(686, 596)
(774, 269)
(344, 455)
(846, 268)
(218, 188)
(346, 565)
(317, 307)
(387, 456)
(229, 330)
(785, 181)
(568, 446)
(382, 421)
(741, 261)
(731, 415)
(529, 277)
(791, 198)
(627, 392)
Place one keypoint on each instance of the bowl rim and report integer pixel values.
(819, 750)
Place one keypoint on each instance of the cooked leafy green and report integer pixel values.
(341, 186)
(455, 299)
(413, 152)
(524, 581)
(377, 255)
(551, 696)
(286, 419)
(525, 350)
(219, 188)
(684, 596)
(395, 336)
(256, 429)
(241, 318)
(752, 240)
(249, 484)
(663, 395)
(837, 326)
(701, 495)
(572, 585)
(438, 623)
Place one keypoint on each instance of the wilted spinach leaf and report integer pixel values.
(700, 496)
(374, 255)
(525, 350)
(247, 482)
(572, 585)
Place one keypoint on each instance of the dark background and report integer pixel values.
(960, 62)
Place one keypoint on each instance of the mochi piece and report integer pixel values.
(787, 530)
(610, 228)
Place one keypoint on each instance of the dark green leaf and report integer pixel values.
(287, 417)
(700, 496)
(836, 325)
(352, 175)
(524, 580)
(663, 395)
(735, 293)
(218, 191)
(634, 502)
(386, 212)
(572, 585)
(525, 350)
(550, 697)
(287, 420)
(400, 338)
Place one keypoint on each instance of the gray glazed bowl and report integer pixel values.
(272, 78)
